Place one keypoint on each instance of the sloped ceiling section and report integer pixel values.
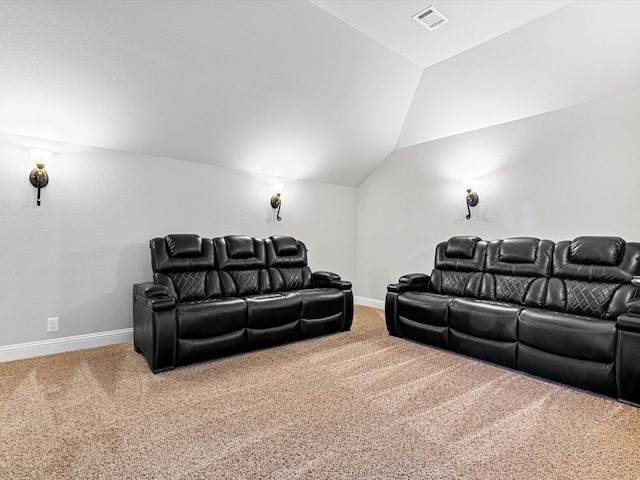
(276, 87)
(581, 53)
(320, 91)
(472, 22)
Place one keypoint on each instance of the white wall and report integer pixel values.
(78, 254)
(557, 175)
(270, 86)
(581, 53)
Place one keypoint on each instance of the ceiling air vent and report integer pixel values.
(430, 18)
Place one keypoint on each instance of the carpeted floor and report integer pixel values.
(359, 404)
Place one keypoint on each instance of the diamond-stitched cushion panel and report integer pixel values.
(189, 285)
(587, 298)
(512, 289)
(247, 281)
(453, 283)
(292, 278)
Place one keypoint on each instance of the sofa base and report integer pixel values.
(593, 376)
(316, 327)
(430, 334)
(269, 337)
(190, 350)
(502, 353)
(629, 402)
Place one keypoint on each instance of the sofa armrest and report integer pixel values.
(153, 296)
(154, 325)
(151, 290)
(633, 306)
(628, 323)
(330, 279)
(628, 358)
(416, 282)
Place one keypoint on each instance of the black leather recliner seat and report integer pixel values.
(216, 297)
(569, 312)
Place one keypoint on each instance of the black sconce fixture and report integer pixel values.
(39, 177)
(276, 199)
(472, 197)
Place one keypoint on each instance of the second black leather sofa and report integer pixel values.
(566, 311)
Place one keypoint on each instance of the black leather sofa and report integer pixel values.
(216, 297)
(566, 311)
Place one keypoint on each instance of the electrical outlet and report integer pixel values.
(52, 324)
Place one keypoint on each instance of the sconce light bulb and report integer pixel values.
(40, 157)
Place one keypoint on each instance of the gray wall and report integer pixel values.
(557, 175)
(78, 254)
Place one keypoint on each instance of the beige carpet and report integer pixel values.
(359, 404)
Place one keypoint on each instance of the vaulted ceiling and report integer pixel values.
(316, 90)
(472, 22)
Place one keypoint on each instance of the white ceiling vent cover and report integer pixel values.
(430, 18)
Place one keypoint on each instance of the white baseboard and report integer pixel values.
(66, 344)
(92, 340)
(369, 302)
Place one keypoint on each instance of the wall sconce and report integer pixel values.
(472, 197)
(38, 177)
(276, 199)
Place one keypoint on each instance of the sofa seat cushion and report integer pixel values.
(485, 319)
(425, 308)
(423, 317)
(272, 309)
(574, 336)
(485, 329)
(321, 302)
(273, 318)
(210, 318)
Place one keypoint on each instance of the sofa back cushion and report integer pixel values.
(517, 270)
(592, 275)
(458, 267)
(185, 264)
(181, 253)
(242, 266)
(596, 251)
(287, 263)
